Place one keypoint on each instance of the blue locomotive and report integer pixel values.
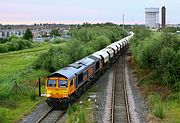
(67, 84)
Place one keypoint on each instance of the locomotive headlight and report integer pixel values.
(48, 95)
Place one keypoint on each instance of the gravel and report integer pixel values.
(103, 94)
(36, 114)
(138, 109)
(136, 101)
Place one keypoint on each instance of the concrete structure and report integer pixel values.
(163, 19)
(152, 17)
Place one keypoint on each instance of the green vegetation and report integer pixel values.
(28, 34)
(171, 29)
(55, 32)
(82, 112)
(76, 114)
(156, 58)
(16, 67)
(156, 106)
(160, 54)
(18, 77)
(85, 40)
(13, 44)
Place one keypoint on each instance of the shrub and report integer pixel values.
(175, 96)
(159, 53)
(57, 41)
(15, 44)
(3, 118)
(32, 95)
(86, 41)
(54, 59)
(3, 48)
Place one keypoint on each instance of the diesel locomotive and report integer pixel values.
(66, 85)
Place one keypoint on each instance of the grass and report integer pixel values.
(163, 104)
(156, 106)
(16, 66)
(82, 113)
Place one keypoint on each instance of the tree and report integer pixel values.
(55, 32)
(28, 34)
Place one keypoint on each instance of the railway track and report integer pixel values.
(52, 116)
(120, 108)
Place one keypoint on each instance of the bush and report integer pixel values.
(15, 44)
(175, 96)
(33, 95)
(86, 41)
(3, 48)
(159, 53)
(54, 59)
(3, 118)
(57, 41)
(4, 40)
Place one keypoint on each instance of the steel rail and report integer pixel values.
(51, 111)
(113, 91)
(125, 93)
(46, 114)
(124, 89)
(60, 116)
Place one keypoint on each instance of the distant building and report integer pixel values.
(9, 32)
(163, 19)
(152, 17)
(38, 30)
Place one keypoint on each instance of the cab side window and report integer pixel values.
(71, 82)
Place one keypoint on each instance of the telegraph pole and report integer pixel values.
(123, 21)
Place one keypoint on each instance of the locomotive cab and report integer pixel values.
(57, 88)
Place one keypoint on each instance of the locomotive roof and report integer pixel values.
(65, 72)
(69, 72)
(73, 69)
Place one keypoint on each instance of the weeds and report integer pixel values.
(76, 114)
(3, 117)
(156, 106)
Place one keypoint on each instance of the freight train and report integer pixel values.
(66, 85)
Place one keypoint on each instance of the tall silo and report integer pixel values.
(163, 19)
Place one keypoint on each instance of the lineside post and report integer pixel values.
(39, 82)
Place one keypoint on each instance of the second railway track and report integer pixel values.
(52, 116)
(120, 108)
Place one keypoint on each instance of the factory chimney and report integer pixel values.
(163, 19)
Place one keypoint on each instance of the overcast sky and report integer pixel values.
(78, 11)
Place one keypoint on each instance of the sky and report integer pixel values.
(79, 11)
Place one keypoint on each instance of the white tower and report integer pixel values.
(152, 17)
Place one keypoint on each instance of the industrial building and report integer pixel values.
(163, 19)
(152, 18)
